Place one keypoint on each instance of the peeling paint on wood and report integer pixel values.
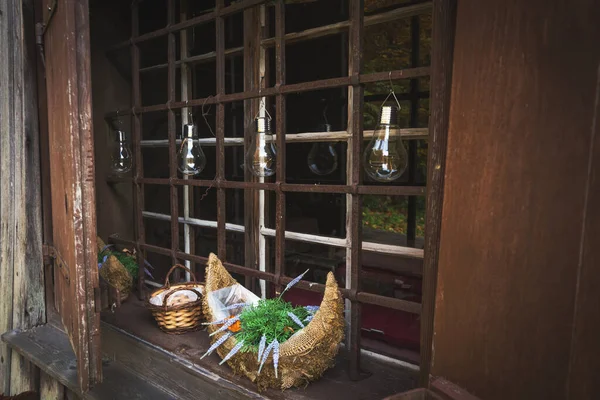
(72, 181)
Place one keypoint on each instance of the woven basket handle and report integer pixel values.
(168, 284)
(178, 290)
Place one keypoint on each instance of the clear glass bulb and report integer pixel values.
(121, 157)
(385, 158)
(322, 157)
(260, 158)
(190, 158)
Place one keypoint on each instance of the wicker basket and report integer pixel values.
(177, 319)
(303, 358)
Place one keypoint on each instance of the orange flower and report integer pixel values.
(236, 326)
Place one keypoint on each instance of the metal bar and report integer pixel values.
(339, 27)
(263, 200)
(444, 23)
(194, 221)
(172, 138)
(353, 218)
(411, 210)
(409, 252)
(281, 130)
(186, 91)
(283, 89)
(360, 297)
(198, 59)
(199, 20)
(251, 83)
(138, 188)
(284, 187)
(303, 137)
(220, 119)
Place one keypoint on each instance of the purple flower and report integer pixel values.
(309, 318)
(293, 282)
(216, 344)
(261, 346)
(233, 351)
(312, 309)
(276, 356)
(237, 305)
(295, 319)
(148, 264)
(266, 354)
(219, 322)
(226, 325)
(148, 273)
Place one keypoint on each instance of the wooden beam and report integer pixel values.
(22, 303)
(50, 388)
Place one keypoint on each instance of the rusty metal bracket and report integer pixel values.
(41, 28)
(51, 255)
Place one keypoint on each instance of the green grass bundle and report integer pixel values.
(269, 318)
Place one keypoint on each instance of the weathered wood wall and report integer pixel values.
(517, 299)
(21, 262)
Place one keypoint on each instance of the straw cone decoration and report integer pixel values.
(116, 275)
(302, 358)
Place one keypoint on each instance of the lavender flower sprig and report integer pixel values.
(233, 351)
(309, 318)
(226, 325)
(276, 356)
(312, 309)
(266, 354)
(295, 319)
(216, 344)
(261, 346)
(293, 282)
(237, 305)
(218, 322)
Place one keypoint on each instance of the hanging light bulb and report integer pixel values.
(385, 158)
(322, 157)
(121, 158)
(190, 158)
(260, 158)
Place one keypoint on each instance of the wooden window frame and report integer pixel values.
(256, 88)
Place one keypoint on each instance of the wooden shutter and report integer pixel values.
(71, 159)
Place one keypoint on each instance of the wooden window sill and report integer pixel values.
(49, 349)
(131, 336)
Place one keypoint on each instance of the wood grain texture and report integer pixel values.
(7, 190)
(50, 388)
(444, 26)
(584, 365)
(50, 349)
(72, 181)
(21, 266)
(523, 96)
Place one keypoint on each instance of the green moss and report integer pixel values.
(269, 318)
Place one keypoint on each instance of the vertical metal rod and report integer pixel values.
(444, 23)
(354, 201)
(186, 91)
(138, 188)
(411, 220)
(172, 138)
(263, 199)
(251, 82)
(280, 134)
(220, 149)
